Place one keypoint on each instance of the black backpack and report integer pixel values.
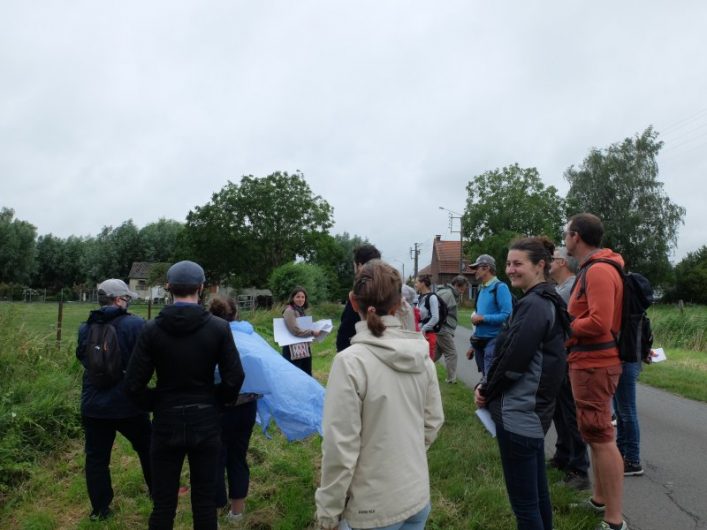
(443, 312)
(635, 338)
(103, 354)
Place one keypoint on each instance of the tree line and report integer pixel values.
(275, 231)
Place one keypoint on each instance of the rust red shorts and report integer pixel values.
(593, 390)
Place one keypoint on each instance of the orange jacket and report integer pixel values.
(596, 313)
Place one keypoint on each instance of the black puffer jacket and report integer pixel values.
(183, 345)
(530, 364)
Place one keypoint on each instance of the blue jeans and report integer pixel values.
(414, 522)
(628, 432)
(523, 461)
(484, 356)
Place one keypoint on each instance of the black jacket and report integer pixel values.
(183, 345)
(529, 364)
(109, 402)
(347, 329)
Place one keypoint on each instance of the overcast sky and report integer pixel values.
(139, 110)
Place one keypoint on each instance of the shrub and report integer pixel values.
(288, 276)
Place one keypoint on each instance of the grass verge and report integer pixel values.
(466, 480)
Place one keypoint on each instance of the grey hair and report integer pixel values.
(572, 263)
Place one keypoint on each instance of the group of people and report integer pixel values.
(549, 355)
(557, 359)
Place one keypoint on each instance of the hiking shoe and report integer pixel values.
(100, 515)
(605, 526)
(632, 469)
(589, 504)
(234, 518)
(577, 480)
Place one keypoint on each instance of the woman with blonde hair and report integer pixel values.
(381, 413)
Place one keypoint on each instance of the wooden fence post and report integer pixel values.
(60, 317)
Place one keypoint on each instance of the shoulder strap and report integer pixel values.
(582, 274)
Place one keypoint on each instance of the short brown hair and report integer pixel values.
(588, 226)
(224, 307)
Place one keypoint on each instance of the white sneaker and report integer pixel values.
(234, 518)
(605, 526)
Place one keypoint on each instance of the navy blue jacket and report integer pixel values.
(111, 402)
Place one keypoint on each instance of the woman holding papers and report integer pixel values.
(381, 412)
(520, 387)
(299, 354)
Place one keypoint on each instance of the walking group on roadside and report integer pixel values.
(550, 355)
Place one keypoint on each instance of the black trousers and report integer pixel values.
(100, 435)
(194, 432)
(237, 426)
(570, 449)
(303, 364)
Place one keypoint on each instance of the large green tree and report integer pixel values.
(691, 278)
(59, 262)
(250, 228)
(17, 248)
(112, 252)
(620, 184)
(158, 241)
(506, 203)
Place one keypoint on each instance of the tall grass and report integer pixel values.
(38, 398)
(679, 329)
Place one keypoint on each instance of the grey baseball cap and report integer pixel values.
(186, 273)
(115, 288)
(483, 259)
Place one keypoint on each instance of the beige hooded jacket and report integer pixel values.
(382, 411)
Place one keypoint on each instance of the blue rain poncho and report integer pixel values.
(292, 398)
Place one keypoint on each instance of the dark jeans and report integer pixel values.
(237, 426)
(193, 431)
(484, 356)
(570, 449)
(628, 432)
(100, 435)
(523, 461)
(303, 364)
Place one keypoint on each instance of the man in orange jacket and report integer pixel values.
(595, 306)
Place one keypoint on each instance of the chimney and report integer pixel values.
(438, 237)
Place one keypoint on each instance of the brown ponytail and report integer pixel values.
(376, 291)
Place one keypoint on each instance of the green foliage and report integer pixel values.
(38, 401)
(158, 241)
(506, 203)
(677, 328)
(691, 278)
(250, 228)
(59, 262)
(620, 184)
(312, 277)
(335, 256)
(17, 241)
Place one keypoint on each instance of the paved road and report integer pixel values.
(673, 492)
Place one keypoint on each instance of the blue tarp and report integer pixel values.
(290, 397)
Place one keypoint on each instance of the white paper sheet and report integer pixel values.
(283, 336)
(485, 417)
(658, 355)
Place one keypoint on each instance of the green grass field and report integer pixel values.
(43, 448)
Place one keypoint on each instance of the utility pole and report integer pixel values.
(414, 254)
